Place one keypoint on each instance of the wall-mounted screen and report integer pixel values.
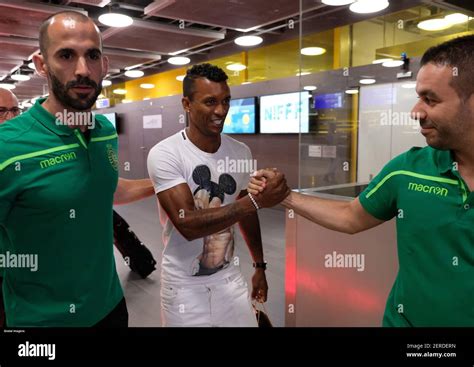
(284, 113)
(241, 117)
(112, 117)
(330, 100)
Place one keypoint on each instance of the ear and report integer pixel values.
(227, 184)
(201, 175)
(40, 65)
(186, 103)
(105, 66)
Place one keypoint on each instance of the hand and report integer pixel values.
(275, 190)
(259, 286)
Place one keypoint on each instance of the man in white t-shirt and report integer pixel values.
(201, 178)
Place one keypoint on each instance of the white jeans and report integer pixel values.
(225, 303)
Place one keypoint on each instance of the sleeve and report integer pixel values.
(164, 169)
(380, 198)
(249, 159)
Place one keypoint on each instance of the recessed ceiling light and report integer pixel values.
(409, 85)
(106, 83)
(337, 2)
(352, 91)
(8, 86)
(381, 61)
(31, 65)
(116, 20)
(310, 87)
(236, 67)
(20, 77)
(180, 78)
(434, 25)
(393, 63)
(147, 86)
(248, 40)
(368, 6)
(120, 91)
(367, 81)
(313, 51)
(456, 18)
(134, 73)
(179, 60)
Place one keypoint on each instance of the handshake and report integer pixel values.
(268, 186)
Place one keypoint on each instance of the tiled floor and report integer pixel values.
(143, 295)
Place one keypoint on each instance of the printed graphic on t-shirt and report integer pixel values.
(218, 248)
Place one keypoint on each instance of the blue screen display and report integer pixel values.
(241, 117)
(331, 100)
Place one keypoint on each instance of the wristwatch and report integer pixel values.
(260, 265)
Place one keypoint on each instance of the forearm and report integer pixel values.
(250, 228)
(129, 191)
(332, 214)
(195, 223)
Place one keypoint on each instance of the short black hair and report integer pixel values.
(457, 53)
(207, 71)
(43, 31)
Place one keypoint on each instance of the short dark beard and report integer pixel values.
(82, 103)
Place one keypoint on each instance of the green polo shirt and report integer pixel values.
(434, 210)
(56, 197)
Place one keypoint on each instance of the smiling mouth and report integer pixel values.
(217, 122)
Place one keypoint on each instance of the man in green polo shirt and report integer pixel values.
(58, 182)
(429, 190)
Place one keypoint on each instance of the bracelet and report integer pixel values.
(253, 201)
(260, 265)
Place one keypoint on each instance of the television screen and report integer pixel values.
(330, 100)
(111, 117)
(241, 117)
(284, 113)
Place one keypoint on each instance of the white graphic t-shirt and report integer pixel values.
(214, 179)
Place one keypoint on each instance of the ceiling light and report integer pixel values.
(116, 20)
(456, 18)
(368, 6)
(134, 73)
(248, 40)
(179, 60)
(147, 86)
(352, 91)
(381, 61)
(236, 67)
(180, 78)
(120, 91)
(393, 63)
(367, 81)
(313, 51)
(409, 85)
(310, 87)
(337, 2)
(31, 65)
(7, 86)
(126, 100)
(20, 77)
(106, 83)
(434, 25)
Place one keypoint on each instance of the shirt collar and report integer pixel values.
(443, 159)
(50, 122)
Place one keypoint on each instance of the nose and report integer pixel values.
(220, 110)
(417, 112)
(82, 69)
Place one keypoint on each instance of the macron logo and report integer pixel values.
(37, 350)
